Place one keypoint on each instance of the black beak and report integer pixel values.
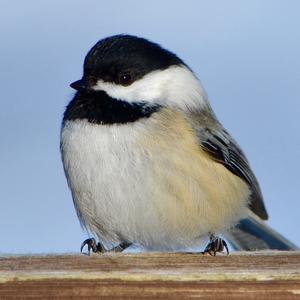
(79, 85)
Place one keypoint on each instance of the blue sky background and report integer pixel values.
(246, 54)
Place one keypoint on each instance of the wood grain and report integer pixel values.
(259, 275)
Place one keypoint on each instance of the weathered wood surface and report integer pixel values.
(272, 275)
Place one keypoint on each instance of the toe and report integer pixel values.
(91, 244)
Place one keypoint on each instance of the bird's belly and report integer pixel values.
(149, 187)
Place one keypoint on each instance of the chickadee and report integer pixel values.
(148, 162)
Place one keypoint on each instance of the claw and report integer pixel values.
(99, 248)
(216, 245)
(92, 245)
(226, 247)
(121, 247)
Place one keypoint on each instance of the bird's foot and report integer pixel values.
(121, 247)
(99, 248)
(93, 245)
(215, 245)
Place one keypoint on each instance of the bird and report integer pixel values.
(149, 164)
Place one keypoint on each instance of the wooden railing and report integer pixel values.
(251, 275)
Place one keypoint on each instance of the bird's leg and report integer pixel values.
(215, 245)
(99, 248)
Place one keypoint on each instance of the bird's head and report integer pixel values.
(134, 69)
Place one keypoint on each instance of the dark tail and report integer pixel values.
(254, 234)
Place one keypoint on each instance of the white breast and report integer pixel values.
(127, 186)
(104, 171)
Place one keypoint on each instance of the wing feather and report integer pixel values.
(217, 142)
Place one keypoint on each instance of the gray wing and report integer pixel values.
(251, 233)
(216, 141)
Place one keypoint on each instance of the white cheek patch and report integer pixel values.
(176, 86)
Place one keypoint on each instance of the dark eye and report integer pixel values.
(125, 79)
